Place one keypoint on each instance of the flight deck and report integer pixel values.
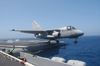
(41, 48)
(33, 53)
(35, 47)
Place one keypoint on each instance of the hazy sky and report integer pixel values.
(18, 14)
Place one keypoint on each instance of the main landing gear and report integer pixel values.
(49, 42)
(57, 41)
(75, 41)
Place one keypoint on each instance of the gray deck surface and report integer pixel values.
(30, 45)
(27, 43)
(8, 62)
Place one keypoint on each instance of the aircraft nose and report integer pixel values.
(80, 32)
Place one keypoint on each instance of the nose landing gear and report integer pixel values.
(75, 41)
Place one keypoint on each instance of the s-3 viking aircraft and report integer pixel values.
(53, 34)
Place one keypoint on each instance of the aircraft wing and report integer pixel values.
(36, 31)
(30, 31)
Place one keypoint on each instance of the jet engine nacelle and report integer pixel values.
(56, 34)
(40, 35)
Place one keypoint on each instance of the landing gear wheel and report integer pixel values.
(75, 42)
(57, 41)
(48, 42)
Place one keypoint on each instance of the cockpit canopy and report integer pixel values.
(70, 28)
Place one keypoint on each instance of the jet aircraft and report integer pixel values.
(53, 34)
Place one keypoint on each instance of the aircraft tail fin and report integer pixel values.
(36, 26)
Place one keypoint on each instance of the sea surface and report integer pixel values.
(87, 49)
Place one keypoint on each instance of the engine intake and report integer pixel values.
(56, 34)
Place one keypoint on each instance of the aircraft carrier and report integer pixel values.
(32, 53)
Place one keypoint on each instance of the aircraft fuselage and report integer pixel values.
(60, 33)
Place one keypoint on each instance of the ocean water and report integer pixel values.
(87, 49)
